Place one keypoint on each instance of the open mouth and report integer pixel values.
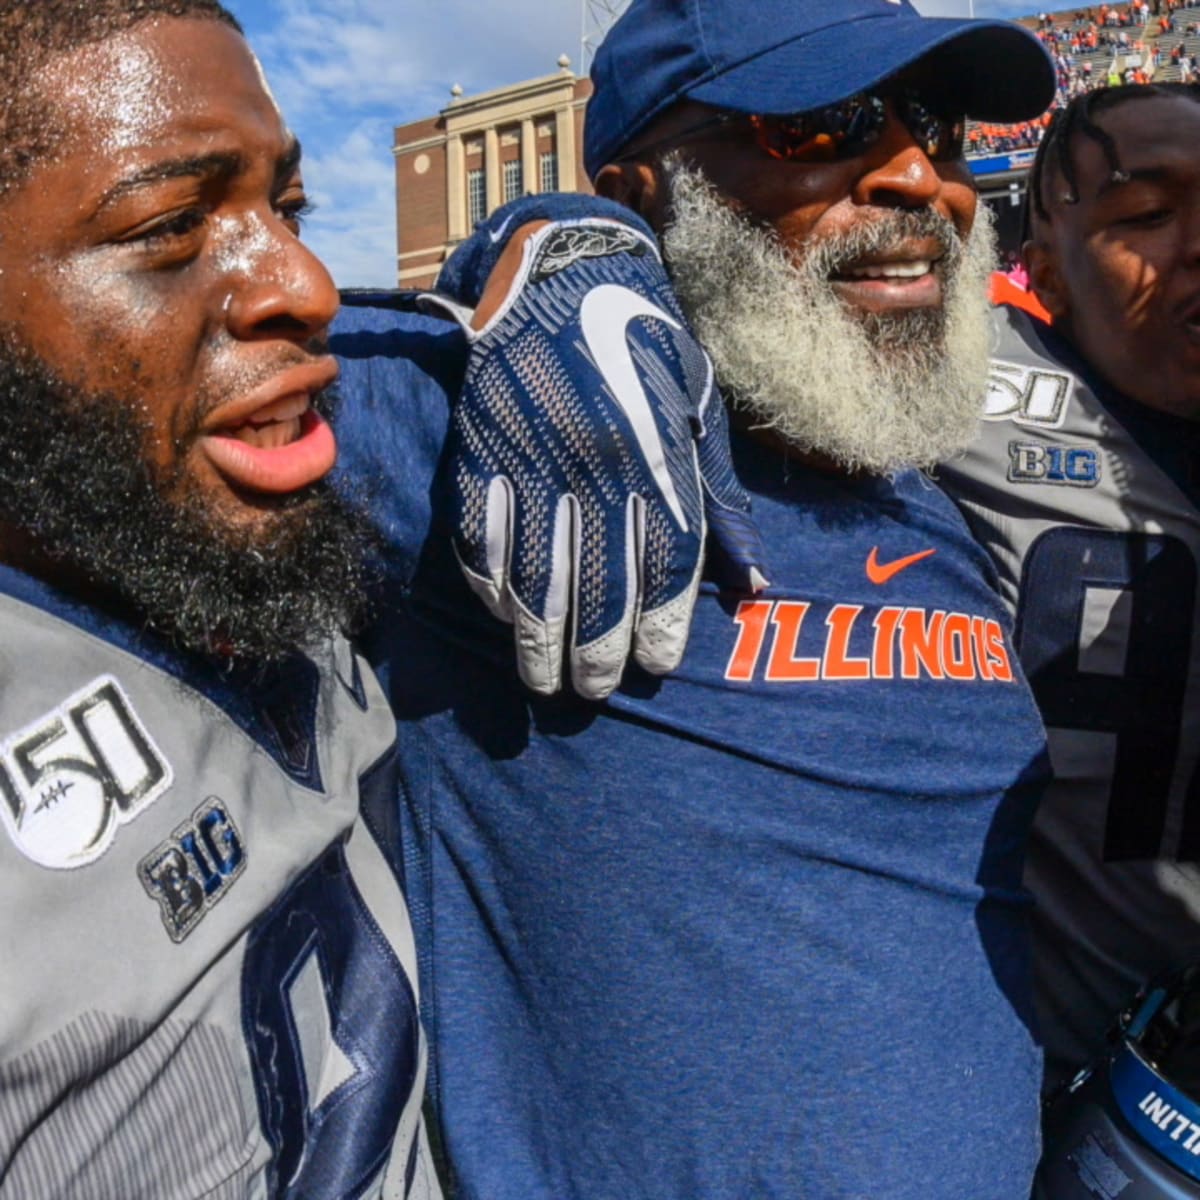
(276, 425)
(273, 440)
(891, 281)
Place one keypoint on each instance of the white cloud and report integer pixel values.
(406, 54)
(352, 183)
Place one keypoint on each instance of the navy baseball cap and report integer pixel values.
(785, 56)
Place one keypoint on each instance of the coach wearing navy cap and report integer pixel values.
(756, 929)
(834, 130)
(784, 56)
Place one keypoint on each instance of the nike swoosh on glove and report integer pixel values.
(586, 445)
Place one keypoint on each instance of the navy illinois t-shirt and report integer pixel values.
(755, 929)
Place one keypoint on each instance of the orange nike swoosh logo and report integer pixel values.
(881, 572)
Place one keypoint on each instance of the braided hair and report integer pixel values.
(1080, 118)
(33, 33)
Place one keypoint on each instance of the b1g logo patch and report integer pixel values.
(72, 778)
(1027, 395)
(1067, 466)
(194, 868)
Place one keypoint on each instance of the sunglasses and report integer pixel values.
(846, 129)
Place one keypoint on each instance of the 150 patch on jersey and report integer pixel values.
(73, 777)
(1027, 395)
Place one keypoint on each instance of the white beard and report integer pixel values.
(871, 393)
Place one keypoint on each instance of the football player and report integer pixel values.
(210, 977)
(209, 980)
(1083, 485)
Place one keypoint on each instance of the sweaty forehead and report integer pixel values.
(161, 80)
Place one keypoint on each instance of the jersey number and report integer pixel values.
(1152, 578)
(331, 1022)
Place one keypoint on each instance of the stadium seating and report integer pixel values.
(1144, 55)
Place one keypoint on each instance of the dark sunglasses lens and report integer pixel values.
(857, 122)
(824, 135)
(846, 129)
(938, 130)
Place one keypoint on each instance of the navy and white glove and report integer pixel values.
(587, 444)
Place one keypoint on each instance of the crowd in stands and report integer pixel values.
(984, 138)
(1102, 47)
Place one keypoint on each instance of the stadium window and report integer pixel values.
(476, 196)
(549, 166)
(512, 180)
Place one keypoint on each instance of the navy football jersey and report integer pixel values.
(210, 974)
(1088, 504)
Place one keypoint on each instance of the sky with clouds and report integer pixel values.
(346, 71)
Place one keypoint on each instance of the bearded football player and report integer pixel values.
(209, 984)
(211, 980)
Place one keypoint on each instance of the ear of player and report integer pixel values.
(586, 446)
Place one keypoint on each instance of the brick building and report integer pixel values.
(477, 153)
(480, 151)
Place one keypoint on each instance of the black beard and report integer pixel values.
(76, 479)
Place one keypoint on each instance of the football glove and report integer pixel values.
(587, 446)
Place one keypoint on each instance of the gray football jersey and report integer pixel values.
(1087, 510)
(209, 976)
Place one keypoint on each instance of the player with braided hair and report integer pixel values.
(1080, 118)
(1085, 487)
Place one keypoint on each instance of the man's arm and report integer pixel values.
(400, 372)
